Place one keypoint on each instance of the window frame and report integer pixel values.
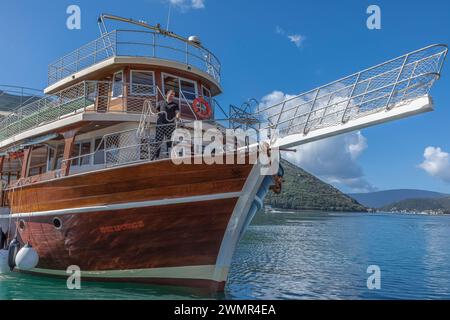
(94, 148)
(179, 85)
(154, 83)
(114, 82)
(80, 156)
(208, 90)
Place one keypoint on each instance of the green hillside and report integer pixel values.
(432, 206)
(303, 191)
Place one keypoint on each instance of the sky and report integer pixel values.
(270, 50)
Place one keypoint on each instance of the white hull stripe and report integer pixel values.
(205, 272)
(128, 205)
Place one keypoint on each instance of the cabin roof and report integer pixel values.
(113, 63)
(152, 47)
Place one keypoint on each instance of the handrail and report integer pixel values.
(20, 93)
(86, 96)
(181, 94)
(128, 146)
(407, 77)
(363, 71)
(74, 99)
(111, 44)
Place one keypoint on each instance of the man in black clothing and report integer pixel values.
(168, 112)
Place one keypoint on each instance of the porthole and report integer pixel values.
(57, 223)
(21, 225)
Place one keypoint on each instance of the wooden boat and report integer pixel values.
(81, 183)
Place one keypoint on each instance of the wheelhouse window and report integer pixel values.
(206, 92)
(38, 162)
(171, 83)
(81, 154)
(187, 88)
(207, 95)
(55, 156)
(117, 85)
(143, 83)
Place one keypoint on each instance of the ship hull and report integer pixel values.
(149, 223)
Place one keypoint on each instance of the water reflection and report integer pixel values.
(301, 255)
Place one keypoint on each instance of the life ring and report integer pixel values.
(202, 108)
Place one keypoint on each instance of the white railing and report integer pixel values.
(134, 43)
(17, 96)
(87, 96)
(132, 146)
(380, 88)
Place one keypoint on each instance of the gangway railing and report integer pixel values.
(12, 97)
(378, 89)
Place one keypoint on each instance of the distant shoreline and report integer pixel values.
(372, 211)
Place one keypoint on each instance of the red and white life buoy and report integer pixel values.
(202, 108)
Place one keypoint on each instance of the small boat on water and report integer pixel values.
(88, 180)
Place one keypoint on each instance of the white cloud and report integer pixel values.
(279, 30)
(334, 160)
(297, 39)
(198, 4)
(436, 163)
(187, 4)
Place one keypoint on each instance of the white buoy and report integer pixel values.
(4, 266)
(27, 258)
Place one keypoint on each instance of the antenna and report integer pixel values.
(102, 26)
(103, 32)
(156, 28)
(168, 16)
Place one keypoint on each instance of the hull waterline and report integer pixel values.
(141, 227)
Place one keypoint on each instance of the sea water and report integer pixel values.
(302, 255)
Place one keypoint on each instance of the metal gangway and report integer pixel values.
(392, 90)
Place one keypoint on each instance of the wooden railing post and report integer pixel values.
(69, 142)
(26, 162)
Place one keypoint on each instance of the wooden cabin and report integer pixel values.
(99, 89)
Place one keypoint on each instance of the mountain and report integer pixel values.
(433, 206)
(303, 191)
(383, 198)
(9, 102)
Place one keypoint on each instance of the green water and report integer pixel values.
(302, 255)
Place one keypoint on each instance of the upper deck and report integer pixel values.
(109, 79)
(154, 47)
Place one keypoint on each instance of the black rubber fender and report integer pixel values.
(13, 248)
(2, 239)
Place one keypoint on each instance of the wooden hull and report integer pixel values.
(151, 223)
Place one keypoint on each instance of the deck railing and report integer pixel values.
(132, 146)
(87, 96)
(12, 97)
(373, 90)
(133, 43)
